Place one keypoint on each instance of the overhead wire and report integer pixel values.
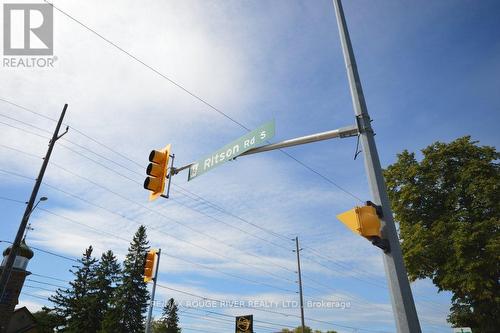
(120, 155)
(195, 96)
(102, 207)
(124, 176)
(184, 306)
(263, 309)
(61, 280)
(176, 257)
(144, 207)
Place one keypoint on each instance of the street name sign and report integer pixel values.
(232, 150)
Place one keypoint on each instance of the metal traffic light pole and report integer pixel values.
(401, 296)
(402, 299)
(4, 279)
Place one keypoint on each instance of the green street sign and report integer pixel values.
(230, 151)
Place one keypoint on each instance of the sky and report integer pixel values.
(193, 73)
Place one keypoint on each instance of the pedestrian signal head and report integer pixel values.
(157, 172)
(363, 221)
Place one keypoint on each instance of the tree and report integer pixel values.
(47, 320)
(171, 317)
(158, 326)
(76, 306)
(126, 314)
(169, 321)
(107, 277)
(448, 208)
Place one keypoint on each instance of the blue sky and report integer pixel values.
(430, 71)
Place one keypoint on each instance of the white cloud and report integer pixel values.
(128, 107)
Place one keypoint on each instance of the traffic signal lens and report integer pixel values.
(154, 170)
(157, 156)
(153, 184)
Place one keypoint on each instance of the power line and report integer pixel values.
(264, 310)
(47, 252)
(36, 287)
(49, 284)
(184, 306)
(230, 225)
(371, 282)
(109, 160)
(121, 238)
(46, 283)
(198, 197)
(138, 183)
(195, 96)
(116, 152)
(34, 296)
(202, 213)
(12, 200)
(148, 66)
(153, 211)
(316, 253)
(230, 316)
(72, 128)
(49, 277)
(232, 275)
(224, 321)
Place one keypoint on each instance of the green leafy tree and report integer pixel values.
(129, 303)
(47, 320)
(158, 326)
(76, 305)
(107, 276)
(448, 208)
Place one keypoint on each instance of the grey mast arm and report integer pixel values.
(343, 132)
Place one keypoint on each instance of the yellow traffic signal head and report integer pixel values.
(149, 263)
(157, 172)
(362, 220)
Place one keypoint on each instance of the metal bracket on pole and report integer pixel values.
(66, 131)
(171, 172)
(363, 123)
(378, 208)
(177, 170)
(381, 244)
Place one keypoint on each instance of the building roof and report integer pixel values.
(24, 250)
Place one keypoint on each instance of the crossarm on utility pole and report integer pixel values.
(343, 132)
